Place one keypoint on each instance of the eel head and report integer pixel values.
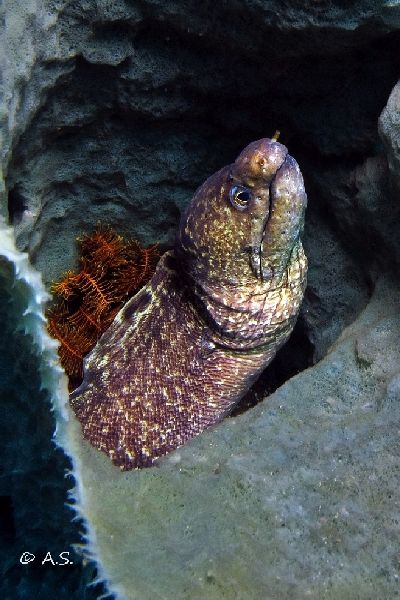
(245, 220)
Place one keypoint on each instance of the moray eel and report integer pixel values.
(183, 351)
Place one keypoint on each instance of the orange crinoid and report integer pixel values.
(110, 271)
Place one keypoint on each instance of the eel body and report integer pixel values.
(183, 351)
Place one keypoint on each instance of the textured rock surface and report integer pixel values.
(114, 114)
(296, 498)
(389, 126)
(116, 111)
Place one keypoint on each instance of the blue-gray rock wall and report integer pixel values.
(117, 111)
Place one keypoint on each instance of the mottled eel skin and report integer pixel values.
(186, 348)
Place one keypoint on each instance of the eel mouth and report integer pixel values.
(282, 221)
(260, 269)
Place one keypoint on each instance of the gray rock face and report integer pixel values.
(389, 125)
(296, 498)
(116, 112)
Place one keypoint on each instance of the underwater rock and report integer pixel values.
(295, 498)
(114, 115)
(110, 112)
(389, 127)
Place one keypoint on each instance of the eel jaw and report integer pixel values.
(283, 223)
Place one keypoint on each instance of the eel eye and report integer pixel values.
(239, 197)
